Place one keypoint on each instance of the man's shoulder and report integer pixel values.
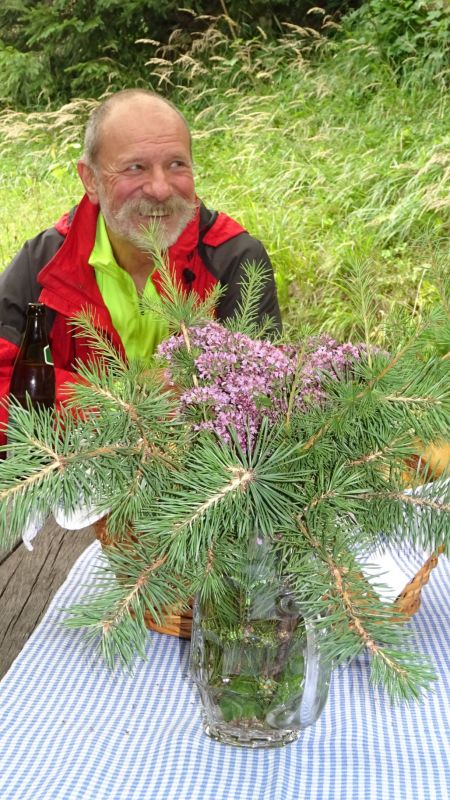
(62, 225)
(216, 227)
(19, 283)
(226, 250)
(224, 244)
(40, 249)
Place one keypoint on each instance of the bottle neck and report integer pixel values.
(35, 328)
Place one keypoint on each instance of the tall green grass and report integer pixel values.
(312, 144)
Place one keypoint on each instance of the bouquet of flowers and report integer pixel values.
(253, 475)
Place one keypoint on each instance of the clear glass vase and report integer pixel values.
(257, 662)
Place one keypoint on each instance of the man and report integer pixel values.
(136, 171)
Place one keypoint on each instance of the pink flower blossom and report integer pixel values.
(242, 380)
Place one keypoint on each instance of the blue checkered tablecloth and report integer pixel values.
(70, 730)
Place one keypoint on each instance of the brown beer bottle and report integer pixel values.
(33, 372)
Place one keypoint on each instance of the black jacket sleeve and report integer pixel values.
(19, 285)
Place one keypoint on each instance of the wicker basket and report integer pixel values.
(408, 601)
(176, 622)
(179, 624)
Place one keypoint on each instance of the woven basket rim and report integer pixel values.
(176, 623)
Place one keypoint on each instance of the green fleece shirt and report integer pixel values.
(140, 332)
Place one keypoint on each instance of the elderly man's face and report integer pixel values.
(143, 172)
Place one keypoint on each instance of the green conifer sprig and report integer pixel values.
(321, 486)
(86, 327)
(254, 279)
(340, 596)
(359, 287)
(179, 309)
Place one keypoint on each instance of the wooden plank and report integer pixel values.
(29, 580)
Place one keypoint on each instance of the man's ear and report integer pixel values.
(88, 180)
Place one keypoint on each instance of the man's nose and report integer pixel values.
(157, 186)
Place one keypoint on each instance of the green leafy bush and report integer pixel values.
(54, 50)
(410, 35)
(24, 75)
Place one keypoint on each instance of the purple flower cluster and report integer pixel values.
(241, 380)
(324, 354)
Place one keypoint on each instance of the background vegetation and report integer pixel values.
(328, 139)
(54, 50)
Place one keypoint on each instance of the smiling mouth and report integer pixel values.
(155, 216)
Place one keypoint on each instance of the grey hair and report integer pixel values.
(92, 135)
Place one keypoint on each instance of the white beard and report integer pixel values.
(121, 222)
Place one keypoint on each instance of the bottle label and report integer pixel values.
(48, 355)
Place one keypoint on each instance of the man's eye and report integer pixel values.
(177, 163)
(134, 167)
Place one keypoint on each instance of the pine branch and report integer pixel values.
(347, 597)
(418, 675)
(240, 478)
(126, 604)
(86, 327)
(382, 452)
(394, 361)
(360, 282)
(423, 401)
(407, 499)
(155, 248)
(246, 317)
(30, 481)
(353, 608)
(60, 464)
(60, 460)
(91, 394)
(176, 307)
(113, 618)
(295, 383)
(341, 404)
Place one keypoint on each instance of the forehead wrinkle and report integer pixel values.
(149, 148)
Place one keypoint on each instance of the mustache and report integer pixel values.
(146, 208)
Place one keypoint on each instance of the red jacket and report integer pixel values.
(53, 269)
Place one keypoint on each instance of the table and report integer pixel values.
(29, 581)
(70, 730)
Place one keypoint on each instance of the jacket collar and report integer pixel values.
(68, 281)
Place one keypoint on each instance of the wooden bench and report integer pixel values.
(29, 580)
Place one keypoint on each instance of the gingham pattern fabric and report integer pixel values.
(70, 730)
